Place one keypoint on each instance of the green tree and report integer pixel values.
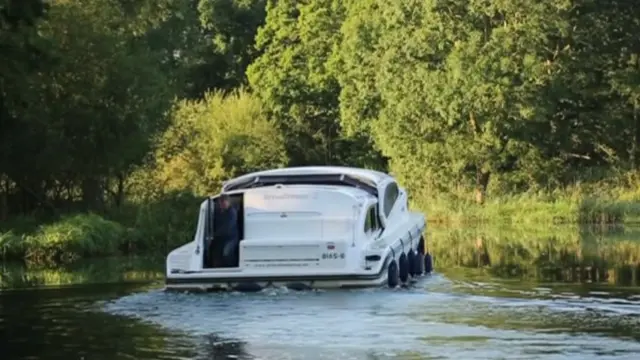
(90, 114)
(227, 29)
(214, 139)
(22, 53)
(356, 64)
(461, 83)
(292, 79)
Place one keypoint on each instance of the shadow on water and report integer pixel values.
(55, 324)
(497, 294)
(64, 323)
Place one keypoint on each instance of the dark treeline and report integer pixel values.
(87, 85)
(109, 102)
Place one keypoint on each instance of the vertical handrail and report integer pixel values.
(353, 227)
(207, 237)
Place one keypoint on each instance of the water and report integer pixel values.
(493, 297)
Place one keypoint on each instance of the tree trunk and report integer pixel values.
(91, 193)
(482, 181)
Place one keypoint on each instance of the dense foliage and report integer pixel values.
(115, 106)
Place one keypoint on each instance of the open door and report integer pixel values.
(213, 247)
(207, 238)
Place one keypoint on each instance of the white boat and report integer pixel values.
(309, 227)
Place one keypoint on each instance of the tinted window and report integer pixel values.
(390, 197)
(368, 224)
(376, 219)
(373, 218)
(371, 221)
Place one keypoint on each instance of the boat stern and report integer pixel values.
(294, 256)
(297, 265)
(183, 260)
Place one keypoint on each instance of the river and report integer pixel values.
(495, 294)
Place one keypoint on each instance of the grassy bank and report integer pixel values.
(555, 254)
(154, 228)
(615, 201)
(145, 228)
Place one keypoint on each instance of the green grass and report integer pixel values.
(70, 238)
(599, 203)
(157, 227)
(144, 228)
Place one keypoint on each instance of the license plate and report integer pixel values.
(332, 255)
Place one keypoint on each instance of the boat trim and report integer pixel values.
(281, 278)
(306, 179)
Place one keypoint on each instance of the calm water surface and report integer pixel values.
(490, 298)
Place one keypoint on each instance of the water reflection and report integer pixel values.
(497, 293)
(609, 255)
(439, 317)
(108, 270)
(559, 254)
(60, 324)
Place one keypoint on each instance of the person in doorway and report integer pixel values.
(226, 230)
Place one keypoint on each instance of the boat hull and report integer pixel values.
(235, 280)
(256, 284)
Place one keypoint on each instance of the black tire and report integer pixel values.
(428, 263)
(419, 264)
(392, 274)
(420, 248)
(403, 268)
(411, 262)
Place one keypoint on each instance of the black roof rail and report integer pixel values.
(307, 179)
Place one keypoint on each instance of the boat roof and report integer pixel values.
(365, 179)
(350, 191)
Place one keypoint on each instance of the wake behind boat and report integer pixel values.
(307, 227)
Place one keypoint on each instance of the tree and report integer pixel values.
(224, 49)
(21, 55)
(90, 115)
(214, 139)
(461, 83)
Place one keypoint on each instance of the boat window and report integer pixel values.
(372, 216)
(390, 197)
(376, 218)
(370, 222)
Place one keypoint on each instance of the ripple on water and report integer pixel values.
(401, 324)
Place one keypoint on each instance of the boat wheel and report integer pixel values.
(392, 274)
(428, 263)
(418, 264)
(403, 268)
(411, 262)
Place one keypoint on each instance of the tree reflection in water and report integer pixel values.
(559, 254)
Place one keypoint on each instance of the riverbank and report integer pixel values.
(152, 228)
(156, 228)
(559, 254)
(587, 204)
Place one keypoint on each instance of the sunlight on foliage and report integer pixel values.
(214, 139)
